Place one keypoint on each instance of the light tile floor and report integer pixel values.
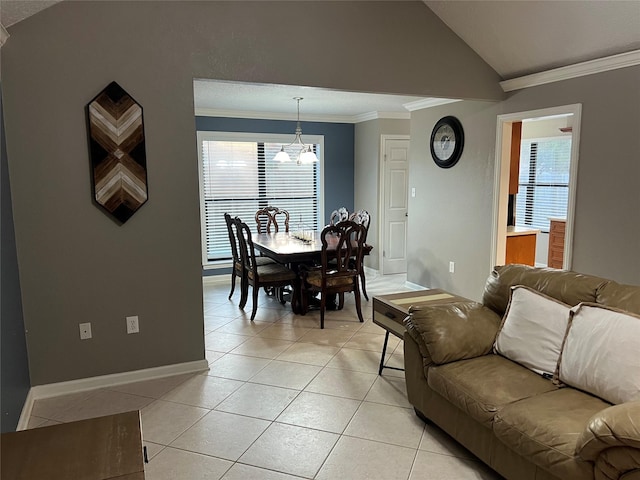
(281, 400)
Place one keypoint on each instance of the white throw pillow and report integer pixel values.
(601, 354)
(532, 330)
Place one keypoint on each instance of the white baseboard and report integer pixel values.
(217, 279)
(370, 271)
(83, 384)
(414, 286)
(23, 421)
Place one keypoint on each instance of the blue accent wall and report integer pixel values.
(15, 363)
(338, 151)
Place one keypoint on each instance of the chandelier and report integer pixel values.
(305, 153)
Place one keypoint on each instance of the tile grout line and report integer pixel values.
(281, 320)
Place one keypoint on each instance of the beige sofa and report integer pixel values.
(522, 424)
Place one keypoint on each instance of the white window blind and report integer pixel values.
(544, 181)
(240, 177)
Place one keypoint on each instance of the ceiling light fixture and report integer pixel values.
(305, 154)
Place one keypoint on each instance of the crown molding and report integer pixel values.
(365, 117)
(582, 69)
(211, 112)
(214, 112)
(428, 103)
(4, 35)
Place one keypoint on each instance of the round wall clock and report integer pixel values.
(447, 141)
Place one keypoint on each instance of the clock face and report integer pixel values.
(447, 140)
(444, 142)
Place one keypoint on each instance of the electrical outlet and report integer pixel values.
(85, 331)
(132, 325)
(452, 267)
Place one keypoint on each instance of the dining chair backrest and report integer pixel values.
(340, 244)
(233, 238)
(361, 217)
(247, 250)
(283, 216)
(339, 215)
(267, 219)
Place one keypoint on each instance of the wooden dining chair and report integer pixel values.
(336, 273)
(271, 275)
(281, 218)
(238, 267)
(267, 220)
(363, 218)
(238, 270)
(339, 215)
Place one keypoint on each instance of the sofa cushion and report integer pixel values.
(545, 428)
(600, 353)
(532, 330)
(454, 331)
(568, 287)
(482, 386)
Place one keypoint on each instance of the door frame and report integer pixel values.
(381, 188)
(501, 178)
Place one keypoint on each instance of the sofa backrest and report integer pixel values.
(616, 295)
(568, 287)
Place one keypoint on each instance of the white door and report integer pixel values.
(394, 237)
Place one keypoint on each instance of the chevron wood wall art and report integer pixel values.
(117, 150)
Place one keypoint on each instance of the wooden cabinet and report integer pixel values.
(521, 249)
(556, 243)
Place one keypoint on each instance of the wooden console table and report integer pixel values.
(101, 448)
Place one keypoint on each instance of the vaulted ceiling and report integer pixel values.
(522, 37)
(515, 38)
(14, 11)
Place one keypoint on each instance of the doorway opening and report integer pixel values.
(535, 185)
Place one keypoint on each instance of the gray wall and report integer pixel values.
(607, 221)
(14, 361)
(76, 264)
(367, 174)
(451, 216)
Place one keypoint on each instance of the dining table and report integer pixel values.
(289, 247)
(293, 249)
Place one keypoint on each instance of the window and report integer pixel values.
(238, 175)
(544, 181)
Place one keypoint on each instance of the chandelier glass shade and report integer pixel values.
(305, 153)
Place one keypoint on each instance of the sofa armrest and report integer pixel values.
(453, 331)
(413, 332)
(616, 426)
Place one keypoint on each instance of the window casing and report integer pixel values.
(543, 190)
(238, 175)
